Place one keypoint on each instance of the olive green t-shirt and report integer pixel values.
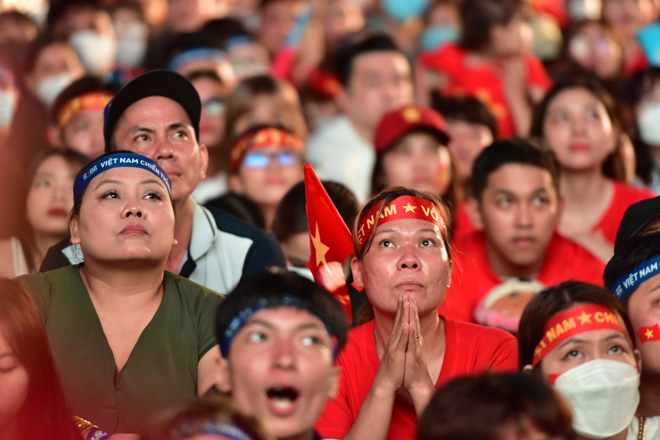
(160, 371)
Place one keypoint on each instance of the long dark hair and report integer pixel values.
(45, 413)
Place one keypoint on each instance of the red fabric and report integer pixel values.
(462, 224)
(481, 81)
(471, 349)
(473, 278)
(636, 63)
(329, 240)
(624, 196)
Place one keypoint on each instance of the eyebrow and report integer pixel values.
(504, 191)
(149, 181)
(417, 231)
(305, 326)
(108, 181)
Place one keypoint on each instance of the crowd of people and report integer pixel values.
(495, 163)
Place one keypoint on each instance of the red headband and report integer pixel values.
(574, 321)
(265, 137)
(82, 103)
(399, 208)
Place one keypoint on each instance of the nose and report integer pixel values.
(133, 210)
(284, 355)
(409, 259)
(163, 150)
(523, 215)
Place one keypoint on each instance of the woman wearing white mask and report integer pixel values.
(578, 337)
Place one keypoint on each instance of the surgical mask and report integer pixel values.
(648, 122)
(7, 103)
(580, 10)
(302, 271)
(434, 36)
(132, 45)
(402, 10)
(50, 87)
(603, 395)
(96, 51)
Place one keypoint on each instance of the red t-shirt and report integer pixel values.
(463, 226)
(481, 81)
(471, 349)
(473, 278)
(624, 196)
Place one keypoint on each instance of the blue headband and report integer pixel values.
(625, 285)
(239, 320)
(195, 54)
(228, 430)
(117, 160)
(238, 39)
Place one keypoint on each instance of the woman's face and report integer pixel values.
(595, 50)
(14, 382)
(49, 200)
(126, 215)
(420, 162)
(579, 130)
(406, 256)
(266, 174)
(584, 347)
(644, 311)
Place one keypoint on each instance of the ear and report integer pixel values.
(638, 359)
(473, 210)
(223, 376)
(335, 375)
(203, 160)
(235, 184)
(356, 268)
(74, 229)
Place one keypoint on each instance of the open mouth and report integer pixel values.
(282, 397)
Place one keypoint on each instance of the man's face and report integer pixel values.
(159, 128)
(379, 81)
(519, 210)
(281, 369)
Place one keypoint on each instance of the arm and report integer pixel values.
(206, 370)
(514, 76)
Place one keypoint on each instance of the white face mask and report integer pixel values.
(132, 45)
(649, 124)
(603, 395)
(7, 103)
(302, 271)
(51, 86)
(96, 52)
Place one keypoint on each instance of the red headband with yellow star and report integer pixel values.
(400, 208)
(264, 137)
(574, 321)
(82, 103)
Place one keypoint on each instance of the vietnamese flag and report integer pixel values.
(330, 241)
(647, 334)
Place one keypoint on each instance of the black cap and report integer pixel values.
(637, 217)
(152, 83)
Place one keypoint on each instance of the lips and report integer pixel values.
(578, 147)
(133, 230)
(523, 241)
(282, 399)
(58, 212)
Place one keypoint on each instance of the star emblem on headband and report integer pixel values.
(410, 208)
(411, 115)
(585, 318)
(320, 248)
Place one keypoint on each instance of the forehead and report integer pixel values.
(154, 110)
(408, 225)
(516, 177)
(379, 63)
(576, 96)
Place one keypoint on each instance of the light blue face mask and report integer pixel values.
(402, 10)
(7, 102)
(434, 36)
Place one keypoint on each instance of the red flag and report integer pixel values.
(329, 239)
(651, 333)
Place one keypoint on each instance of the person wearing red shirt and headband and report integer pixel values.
(578, 337)
(392, 365)
(633, 275)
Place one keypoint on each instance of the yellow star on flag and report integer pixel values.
(319, 248)
(585, 318)
(649, 334)
(411, 114)
(409, 207)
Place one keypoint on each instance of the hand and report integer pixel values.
(416, 380)
(392, 364)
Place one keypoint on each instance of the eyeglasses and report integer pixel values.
(262, 160)
(214, 106)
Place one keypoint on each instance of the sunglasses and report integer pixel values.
(262, 160)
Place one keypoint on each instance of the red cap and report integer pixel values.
(397, 123)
